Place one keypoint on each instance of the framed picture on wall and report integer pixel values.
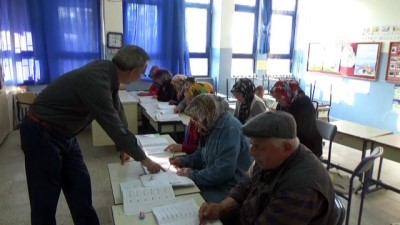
(352, 60)
(393, 65)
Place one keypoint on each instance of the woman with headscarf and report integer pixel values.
(166, 92)
(178, 81)
(191, 139)
(248, 104)
(292, 99)
(153, 90)
(223, 156)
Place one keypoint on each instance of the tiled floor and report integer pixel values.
(381, 207)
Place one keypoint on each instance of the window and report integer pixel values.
(198, 34)
(244, 39)
(16, 49)
(282, 36)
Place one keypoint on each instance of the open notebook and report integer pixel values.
(167, 117)
(180, 213)
(136, 199)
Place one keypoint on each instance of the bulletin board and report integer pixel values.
(353, 60)
(393, 65)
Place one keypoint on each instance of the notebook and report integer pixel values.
(180, 213)
(136, 199)
(165, 178)
(153, 145)
(167, 117)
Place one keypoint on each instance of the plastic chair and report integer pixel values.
(345, 186)
(328, 132)
(24, 101)
(341, 209)
(315, 104)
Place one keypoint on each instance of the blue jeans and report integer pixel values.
(54, 163)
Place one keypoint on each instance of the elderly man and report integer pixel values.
(53, 158)
(288, 184)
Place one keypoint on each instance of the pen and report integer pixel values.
(173, 156)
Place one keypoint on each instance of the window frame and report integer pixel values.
(256, 11)
(207, 53)
(291, 50)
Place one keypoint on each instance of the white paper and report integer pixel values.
(152, 145)
(164, 178)
(167, 117)
(180, 213)
(145, 198)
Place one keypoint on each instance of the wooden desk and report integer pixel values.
(390, 144)
(132, 170)
(391, 150)
(121, 219)
(164, 126)
(355, 135)
(130, 103)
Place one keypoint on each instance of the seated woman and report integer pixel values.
(182, 105)
(248, 104)
(166, 92)
(293, 100)
(191, 139)
(153, 90)
(223, 156)
(178, 81)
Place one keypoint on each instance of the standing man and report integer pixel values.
(53, 158)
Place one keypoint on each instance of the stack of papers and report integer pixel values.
(147, 99)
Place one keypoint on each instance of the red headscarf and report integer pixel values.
(286, 88)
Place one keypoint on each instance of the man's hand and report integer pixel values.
(123, 157)
(152, 166)
(209, 211)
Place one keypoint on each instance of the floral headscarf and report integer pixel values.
(178, 81)
(152, 71)
(246, 88)
(162, 75)
(206, 109)
(199, 88)
(286, 88)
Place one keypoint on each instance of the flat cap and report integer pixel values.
(271, 124)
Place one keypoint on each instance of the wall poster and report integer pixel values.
(354, 60)
(393, 66)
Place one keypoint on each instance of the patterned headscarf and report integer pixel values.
(205, 109)
(286, 88)
(199, 88)
(152, 71)
(178, 81)
(246, 88)
(162, 75)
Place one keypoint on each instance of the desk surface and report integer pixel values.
(126, 97)
(121, 219)
(358, 130)
(132, 170)
(392, 140)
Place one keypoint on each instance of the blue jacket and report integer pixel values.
(222, 161)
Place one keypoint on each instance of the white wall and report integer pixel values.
(337, 21)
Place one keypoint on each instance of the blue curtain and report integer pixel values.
(40, 39)
(158, 26)
(66, 35)
(266, 14)
(16, 51)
